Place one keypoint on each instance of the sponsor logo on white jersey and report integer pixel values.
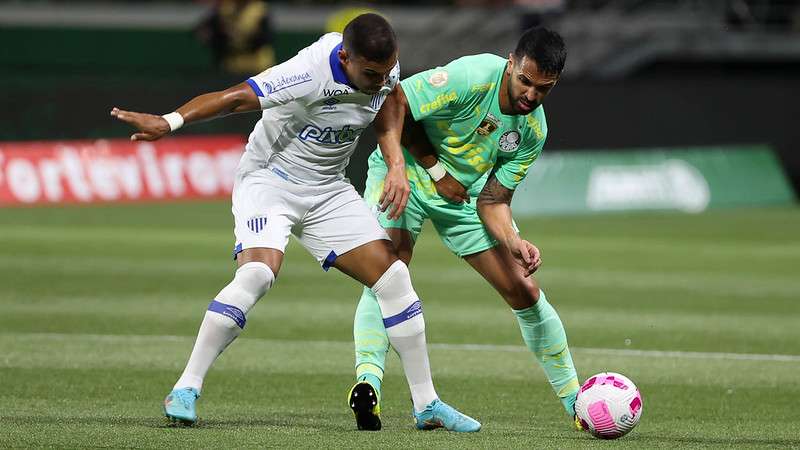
(329, 135)
(332, 92)
(285, 82)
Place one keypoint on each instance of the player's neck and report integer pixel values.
(503, 100)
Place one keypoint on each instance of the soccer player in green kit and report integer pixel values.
(470, 132)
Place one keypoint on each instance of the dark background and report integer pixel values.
(61, 82)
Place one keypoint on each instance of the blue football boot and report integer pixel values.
(179, 406)
(439, 414)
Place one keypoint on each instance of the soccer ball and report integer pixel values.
(608, 405)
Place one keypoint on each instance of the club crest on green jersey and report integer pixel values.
(509, 141)
(438, 78)
(488, 125)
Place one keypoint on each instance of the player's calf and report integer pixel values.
(251, 282)
(223, 322)
(544, 335)
(401, 309)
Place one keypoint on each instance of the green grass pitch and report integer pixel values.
(99, 307)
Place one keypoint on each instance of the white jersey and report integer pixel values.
(312, 116)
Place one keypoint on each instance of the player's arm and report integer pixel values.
(415, 140)
(494, 209)
(389, 129)
(237, 99)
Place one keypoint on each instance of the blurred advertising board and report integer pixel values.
(686, 179)
(118, 170)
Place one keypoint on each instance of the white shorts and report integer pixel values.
(328, 220)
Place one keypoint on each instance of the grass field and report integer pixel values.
(99, 307)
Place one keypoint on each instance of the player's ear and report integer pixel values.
(510, 64)
(343, 56)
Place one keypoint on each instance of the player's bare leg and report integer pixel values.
(376, 265)
(223, 322)
(539, 323)
(499, 268)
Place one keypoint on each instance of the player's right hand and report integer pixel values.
(150, 126)
(449, 188)
(395, 192)
(526, 255)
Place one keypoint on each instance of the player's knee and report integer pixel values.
(251, 281)
(401, 307)
(521, 293)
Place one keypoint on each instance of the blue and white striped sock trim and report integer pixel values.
(229, 311)
(414, 309)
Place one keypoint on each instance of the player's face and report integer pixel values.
(527, 86)
(368, 76)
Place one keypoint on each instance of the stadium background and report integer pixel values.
(101, 302)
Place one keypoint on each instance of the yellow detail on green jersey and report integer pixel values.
(439, 102)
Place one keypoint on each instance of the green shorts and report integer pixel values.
(458, 226)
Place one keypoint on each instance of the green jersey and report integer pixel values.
(459, 107)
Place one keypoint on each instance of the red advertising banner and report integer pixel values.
(118, 170)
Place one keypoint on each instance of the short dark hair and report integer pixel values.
(371, 37)
(544, 46)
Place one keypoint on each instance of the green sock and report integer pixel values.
(544, 335)
(371, 340)
(370, 378)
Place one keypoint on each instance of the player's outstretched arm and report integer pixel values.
(236, 99)
(388, 128)
(494, 209)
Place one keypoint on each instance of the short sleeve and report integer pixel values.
(284, 83)
(437, 92)
(510, 172)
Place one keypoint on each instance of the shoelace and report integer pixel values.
(185, 396)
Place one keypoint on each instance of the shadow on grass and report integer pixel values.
(284, 421)
(61, 420)
(645, 439)
(732, 441)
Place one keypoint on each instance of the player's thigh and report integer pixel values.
(368, 262)
(463, 232)
(500, 269)
(264, 215)
(460, 228)
(339, 222)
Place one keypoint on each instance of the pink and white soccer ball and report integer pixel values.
(608, 405)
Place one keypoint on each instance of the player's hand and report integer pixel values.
(395, 192)
(449, 188)
(150, 126)
(526, 255)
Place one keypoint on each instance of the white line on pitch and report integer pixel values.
(630, 352)
(462, 347)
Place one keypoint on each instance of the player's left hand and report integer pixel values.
(526, 255)
(150, 126)
(395, 192)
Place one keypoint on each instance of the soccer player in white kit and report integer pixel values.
(290, 180)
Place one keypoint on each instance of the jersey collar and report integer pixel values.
(337, 70)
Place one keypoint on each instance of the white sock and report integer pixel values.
(216, 332)
(225, 320)
(405, 326)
